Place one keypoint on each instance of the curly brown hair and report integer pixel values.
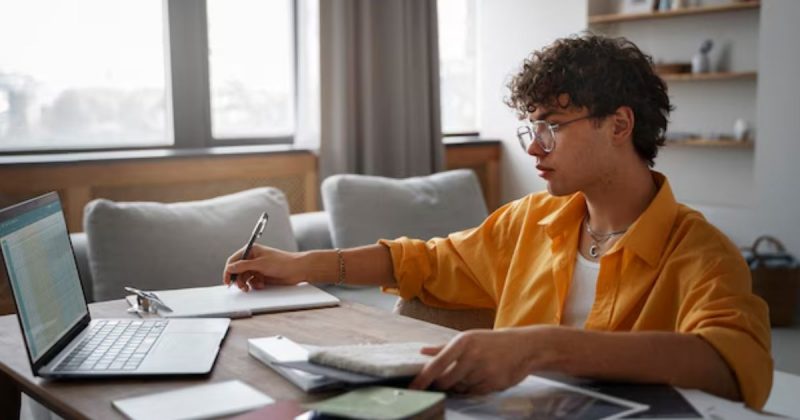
(600, 74)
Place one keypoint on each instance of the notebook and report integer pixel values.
(383, 403)
(61, 338)
(222, 301)
(270, 350)
(290, 360)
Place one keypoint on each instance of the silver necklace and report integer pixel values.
(599, 238)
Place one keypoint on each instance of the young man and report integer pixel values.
(604, 275)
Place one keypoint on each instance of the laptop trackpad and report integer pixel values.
(182, 353)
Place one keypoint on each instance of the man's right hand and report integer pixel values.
(264, 266)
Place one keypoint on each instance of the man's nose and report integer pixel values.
(535, 149)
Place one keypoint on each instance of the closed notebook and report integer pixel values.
(383, 403)
(388, 360)
(222, 301)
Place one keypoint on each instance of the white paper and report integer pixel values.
(195, 402)
(716, 408)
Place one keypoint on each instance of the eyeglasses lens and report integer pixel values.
(538, 130)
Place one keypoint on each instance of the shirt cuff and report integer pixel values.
(749, 361)
(410, 264)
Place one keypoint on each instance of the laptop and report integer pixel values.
(61, 338)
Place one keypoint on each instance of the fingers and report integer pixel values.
(225, 273)
(474, 384)
(238, 268)
(435, 367)
(235, 257)
(248, 281)
(431, 351)
(455, 374)
(243, 281)
(242, 266)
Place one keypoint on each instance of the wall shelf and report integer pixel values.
(626, 17)
(712, 143)
(688, 77)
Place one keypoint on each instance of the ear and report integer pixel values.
(622, 121)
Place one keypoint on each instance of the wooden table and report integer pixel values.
(350, 323)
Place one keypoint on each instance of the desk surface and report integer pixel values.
(347, 324)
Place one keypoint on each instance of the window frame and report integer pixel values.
(189, 104)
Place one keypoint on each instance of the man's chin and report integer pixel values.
(558, 190)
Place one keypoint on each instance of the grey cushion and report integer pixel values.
(363, 209)
(166, 246)
(312, 230)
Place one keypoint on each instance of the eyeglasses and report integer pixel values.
(543, 132)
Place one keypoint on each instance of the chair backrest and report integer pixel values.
(167, 246)
(457, 319)
(363, 209)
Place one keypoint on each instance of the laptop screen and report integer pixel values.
(43, 274)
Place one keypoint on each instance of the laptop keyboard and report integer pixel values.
(114, 345)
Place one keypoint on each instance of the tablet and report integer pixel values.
(537, 397)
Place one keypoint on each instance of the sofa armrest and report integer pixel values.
(80, 246)
(312, 230)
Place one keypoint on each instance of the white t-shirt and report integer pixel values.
(581, 292)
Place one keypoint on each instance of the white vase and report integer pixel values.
(741, 129)
(700, 63)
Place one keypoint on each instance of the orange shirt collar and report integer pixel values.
(646, 237)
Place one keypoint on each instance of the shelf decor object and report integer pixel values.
(638, 6)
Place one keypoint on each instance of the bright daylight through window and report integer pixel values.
(95, 74)
(458, 66)
(252, 77)
(82, 74)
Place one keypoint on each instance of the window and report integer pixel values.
(106, 74)
(458, 66)
(251, 73)
(71, 79)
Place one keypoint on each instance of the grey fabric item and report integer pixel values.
(365, 208)
(168, 246)
(386, 360)
(379, 88)
(79, 247)
(312, 230)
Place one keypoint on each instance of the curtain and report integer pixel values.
(379, 64)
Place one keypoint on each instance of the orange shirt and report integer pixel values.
(671, 271)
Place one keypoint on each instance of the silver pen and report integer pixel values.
(257, 231)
